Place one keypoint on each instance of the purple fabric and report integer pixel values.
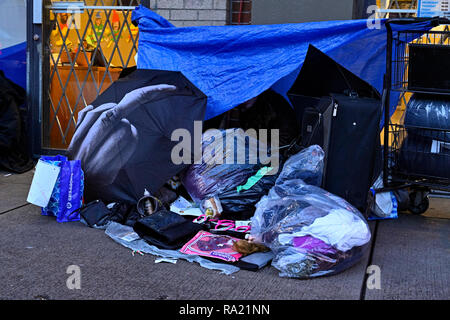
(313, 245)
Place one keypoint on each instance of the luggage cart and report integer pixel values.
(408, 165)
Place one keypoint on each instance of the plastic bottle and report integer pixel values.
(147, 204)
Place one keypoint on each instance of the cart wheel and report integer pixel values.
(417, 205)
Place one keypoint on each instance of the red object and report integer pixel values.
(240, 11)
(115, 16)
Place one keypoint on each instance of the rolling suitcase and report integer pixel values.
(340, 112)
(353, 147)
(347, 129)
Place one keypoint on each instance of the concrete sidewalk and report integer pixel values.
(35, 252)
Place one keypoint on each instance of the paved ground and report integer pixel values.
(35, 251)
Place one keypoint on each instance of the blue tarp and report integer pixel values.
(13, 62)
(232, 64)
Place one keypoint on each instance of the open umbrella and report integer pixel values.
(123, 138)
(320, 75)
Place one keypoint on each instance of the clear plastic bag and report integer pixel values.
(306, 165)
(294, 213)
(223, 166)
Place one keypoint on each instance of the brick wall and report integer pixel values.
(184, 13)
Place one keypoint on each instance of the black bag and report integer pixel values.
(417, 157)
(428, 111)
(14, 156)
(241, 205)
(166, 229)
(125, 213)
(94, 213)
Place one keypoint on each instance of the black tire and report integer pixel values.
(421, 208)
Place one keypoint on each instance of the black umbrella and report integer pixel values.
(124, 138)
(321, 75)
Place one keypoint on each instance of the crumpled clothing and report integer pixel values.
(339, 228)
(311, 244)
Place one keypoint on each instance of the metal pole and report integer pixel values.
(388, 79)
(34, 72)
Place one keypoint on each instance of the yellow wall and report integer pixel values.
(125, 45)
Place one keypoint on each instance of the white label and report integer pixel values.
(44, 181)
(438, 146)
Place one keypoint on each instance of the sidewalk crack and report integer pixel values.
(9, 210)
(369, 262)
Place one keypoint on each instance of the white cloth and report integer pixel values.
(340, 228)
(384, 203)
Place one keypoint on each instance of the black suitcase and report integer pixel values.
(340, 112)
(347, 129)
(311, 114)
(316, 122)
(353, 148)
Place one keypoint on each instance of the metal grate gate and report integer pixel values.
(85, 46)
